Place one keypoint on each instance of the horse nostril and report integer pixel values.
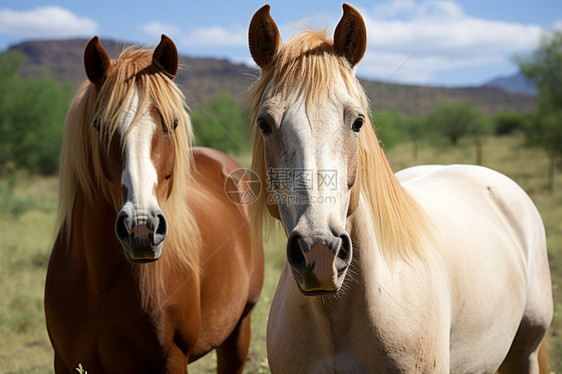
(343, 255)
(161, 230)
(295, 255)
(121, 226)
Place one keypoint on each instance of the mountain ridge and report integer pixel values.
(514, 83)
(203, 78)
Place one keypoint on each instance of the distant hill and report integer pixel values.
(200, 78)
(411, 100)
(516, 83)
(203, 78)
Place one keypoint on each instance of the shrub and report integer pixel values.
(32, 112)
(221, 123)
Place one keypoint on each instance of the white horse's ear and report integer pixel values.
(165, 56)
(264, 38)
(350, 37)
(96, 61)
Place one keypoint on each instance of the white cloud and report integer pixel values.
(49, 21)
(158, 28)
(213, 36)
(557, 25)
(217, 36)
(435, 36)
(395, 8)
(394, 67)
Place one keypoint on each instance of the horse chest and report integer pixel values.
(383, 344)
(355, 348)
(345, 336)
(93, 326)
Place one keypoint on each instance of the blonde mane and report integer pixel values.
(308, 64)
(80, 163)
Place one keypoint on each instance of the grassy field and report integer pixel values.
(27, 215)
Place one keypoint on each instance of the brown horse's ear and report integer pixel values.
(350, 37)
(263, 37)
(166, 56)
(96, 61)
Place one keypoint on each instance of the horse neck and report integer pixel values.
(369, 269)
(353, 304)
(362, 230)
(365, 262)
(374, 301)
(377, 280)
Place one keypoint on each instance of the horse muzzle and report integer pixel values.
(319, 263)
(141, 235)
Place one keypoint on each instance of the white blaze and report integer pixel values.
(139, 176)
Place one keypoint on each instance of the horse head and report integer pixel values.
(309, 113)
(137, 111)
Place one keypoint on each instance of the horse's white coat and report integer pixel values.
(457, 282)
(484, 279)
(457, 311)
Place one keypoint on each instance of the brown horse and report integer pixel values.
(132, 190)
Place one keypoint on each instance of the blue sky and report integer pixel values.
(436, 42)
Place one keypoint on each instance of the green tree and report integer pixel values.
(544, 68)
(507, 123)
(415, 130)
(388, 125)
(454, 121)
(32, 112)
(221, 123)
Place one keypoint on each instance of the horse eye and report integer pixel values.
(357, 124)
(165, 128)
(264, 127)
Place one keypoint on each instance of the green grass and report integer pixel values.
(27, 233)
(27, 215)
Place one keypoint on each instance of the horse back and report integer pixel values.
(479, 199)
(491, 244)
(479, 214)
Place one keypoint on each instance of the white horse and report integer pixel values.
(436, 269)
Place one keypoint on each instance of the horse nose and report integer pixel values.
(141, 235)
(319, 262)
(153, 226)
